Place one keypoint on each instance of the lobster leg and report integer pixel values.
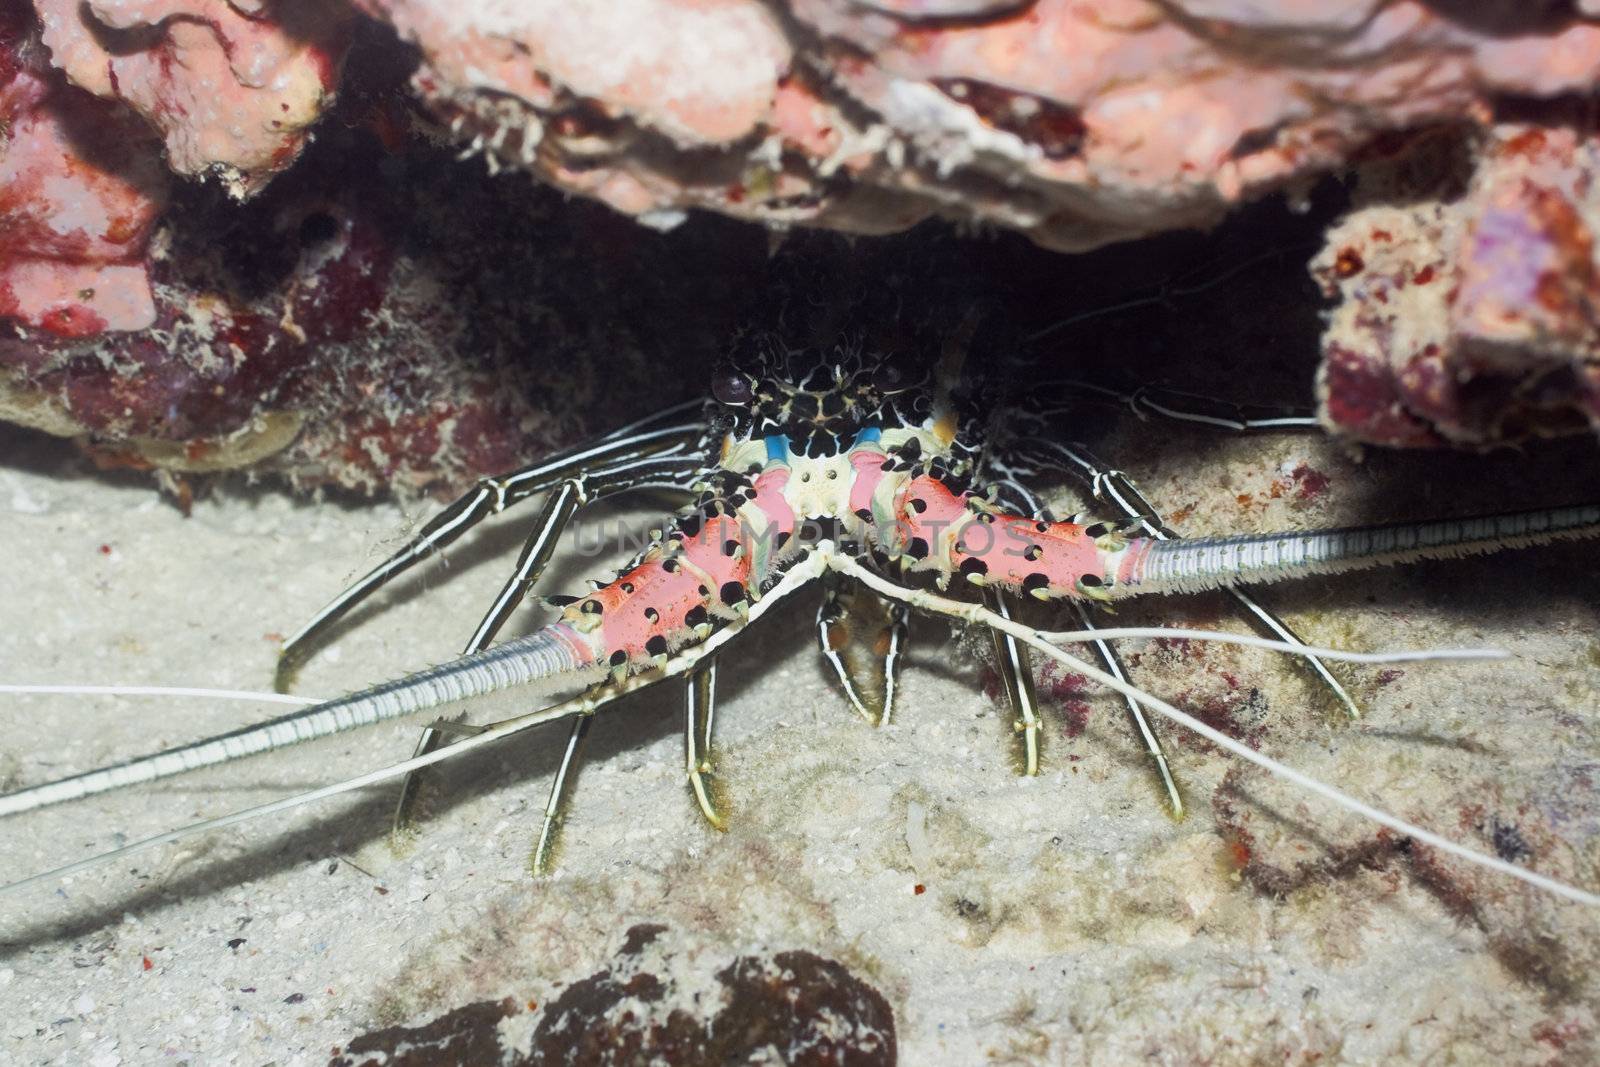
(848, 614)
(558, 511)
(1152, 741)
(1017, 674)
(699, 708)
(542, 851)
(1116, 490)
(490, 496)
(1010, 488)
(1473, 535)
(894, 645)
(563, 502)
(832, 637)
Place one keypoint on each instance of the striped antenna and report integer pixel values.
(1195, 564)
(555, 651)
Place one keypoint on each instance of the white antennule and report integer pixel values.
(977, 613)
(1110, 633)
(161, 691)
(1222, 637)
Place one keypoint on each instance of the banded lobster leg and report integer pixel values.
(1112, 488)
(704, 575)
(1116, 490)
(1016, 670)
(669, 432)
(573, 493)
(699, 705)
(850, 618)
(665, 597)
(556, 651)
(699, 709)
(699, 686)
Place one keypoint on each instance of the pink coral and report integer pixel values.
(233, 85)
(1076, 123)
(80, 189)
(1468, 317)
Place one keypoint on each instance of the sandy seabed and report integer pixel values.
(1062, 919)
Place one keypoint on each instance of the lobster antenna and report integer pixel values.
(1192, 565)
(546, 654)
(977, 613)
(1164, 292)
(802, 572)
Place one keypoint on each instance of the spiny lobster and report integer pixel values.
(861, 469)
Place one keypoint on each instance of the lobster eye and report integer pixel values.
(731, 387)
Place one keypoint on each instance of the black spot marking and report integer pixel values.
(592, 607)
(732, 592)
(1099, 529)
(695, 616)
(689, 525)
(973, 565)
(656, 645)
(1035, 580)
(1033, 553)
(730, 547)
(626, 587)
(917, 548)
(618, 658)
(670, 566)
(864, 514)
(1509, 844)
(1041, 527)
(1093, 581)
(652, 615)
(918, 505)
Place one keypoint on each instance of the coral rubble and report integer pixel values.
(127, 318)
(1469, 318)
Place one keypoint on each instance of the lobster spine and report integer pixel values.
(1196, 564)
(554, 651)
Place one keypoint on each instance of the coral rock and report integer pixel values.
(81, 188)
(1467, 318)
(651, 1006)
(1078, 124)
(233, 87)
